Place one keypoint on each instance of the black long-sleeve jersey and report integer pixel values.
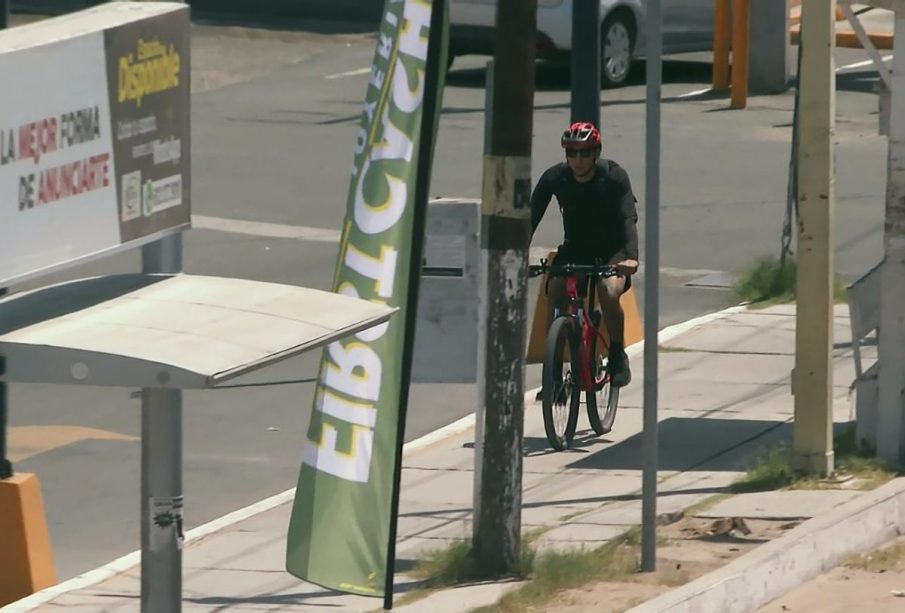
(599, 216)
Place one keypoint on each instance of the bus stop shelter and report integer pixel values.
(95, 160)
(166, 333)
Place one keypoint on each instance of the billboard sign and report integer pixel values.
(94, 135)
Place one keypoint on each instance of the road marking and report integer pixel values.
(120, 565)
(862, 64)
(265, 229)
(350, 73)
(696, 92)
(29, 441)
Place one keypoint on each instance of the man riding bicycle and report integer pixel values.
(599, 225)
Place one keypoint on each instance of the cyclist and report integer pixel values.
(599, 225)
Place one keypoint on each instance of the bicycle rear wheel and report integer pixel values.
(561, 393)
(603, 400)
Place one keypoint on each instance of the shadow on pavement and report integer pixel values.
(298, 599)
(687, 443)
(861, 81)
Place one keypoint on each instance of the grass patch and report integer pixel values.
(773, 470)
(455, 565)
(446, 566)
(853, 457)
(556, 572)
(880, 560)
(768, 281)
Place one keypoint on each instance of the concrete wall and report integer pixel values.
(772, 61)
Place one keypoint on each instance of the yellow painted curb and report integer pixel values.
(634, 330)
(26, 557)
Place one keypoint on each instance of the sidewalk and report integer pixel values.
(724, 394)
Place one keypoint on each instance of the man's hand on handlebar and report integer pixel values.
(627, 268)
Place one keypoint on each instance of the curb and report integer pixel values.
(814, 547)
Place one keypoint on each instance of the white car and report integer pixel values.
(687, 26)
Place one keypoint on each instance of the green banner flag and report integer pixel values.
(343, 516)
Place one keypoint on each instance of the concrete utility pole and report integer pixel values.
(891, 413)
(586, 50)
(812, 379)
(505, 238)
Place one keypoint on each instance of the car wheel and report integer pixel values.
(617, 42)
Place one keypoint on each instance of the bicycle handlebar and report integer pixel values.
(565, 270)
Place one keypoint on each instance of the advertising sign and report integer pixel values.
(342, 525)
(94, 135)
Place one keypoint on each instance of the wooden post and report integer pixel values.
(741, 26)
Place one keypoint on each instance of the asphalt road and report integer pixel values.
(274, 121)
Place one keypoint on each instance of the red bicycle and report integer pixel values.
(571, 362)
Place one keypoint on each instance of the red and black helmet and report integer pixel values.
(581, 135)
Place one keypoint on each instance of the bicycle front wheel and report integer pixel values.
(603, 400)
(561, 394)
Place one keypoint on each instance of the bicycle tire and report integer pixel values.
(561, 390)
(604, 395)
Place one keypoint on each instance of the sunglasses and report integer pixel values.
(582, 153)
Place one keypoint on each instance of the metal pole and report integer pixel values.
(891, 421)
(4, 14)
(161, 501)
(741, 27)
(6, 467)
(431, 107)
(812, 379)
(163, 256)
(505, 237)
(650, 441)
(161, 468)
(586, 61)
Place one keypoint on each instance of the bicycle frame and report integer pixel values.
(589, 333)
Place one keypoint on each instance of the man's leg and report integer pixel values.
(556, 292)
(609, 291)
